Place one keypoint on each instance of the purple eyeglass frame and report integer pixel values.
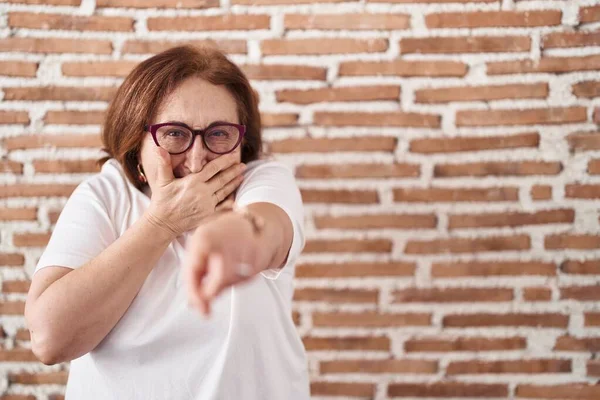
(196, 132)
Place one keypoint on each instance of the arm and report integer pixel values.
(275, 239)
(69, 316)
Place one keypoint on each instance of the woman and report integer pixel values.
(142, 246)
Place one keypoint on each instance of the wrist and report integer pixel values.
(158, 227)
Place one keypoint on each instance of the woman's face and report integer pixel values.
(197, 103)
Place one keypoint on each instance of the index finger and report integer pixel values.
(218, 164)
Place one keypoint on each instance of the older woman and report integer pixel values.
(153, 238)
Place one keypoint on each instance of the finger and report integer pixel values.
(214, 278)
(218, 164)
(224, 177)
(229, 188)
(226, 204)
(195, 271)
(164, 171)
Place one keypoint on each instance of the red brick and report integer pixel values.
(348, 246)
(545, 64)
(17, 214)
(23, 334)
(536, 366)
(491, 268)
(521, 117)
(582, 191)
(377, 221)
(193, 4)
(66, 166)
(578, 391)
(581, 293)
(592, 319)
(75, 117)
(572, 241)
(346, 343)
(570, 39)
(61, 93)
(371, 170)
(593, 167)
(11, 259)
(499, 168)
(446, 195)
(39, 378)
(46, 2)
(389, 366)
(541, 192)
(355, 269)
(587, 89)
(55, 45)
(482, 93)
(14, 117)
(31, 239)
(448, 389)
(477, 344)
(281, 2)
(347, 21)
(482, 19)
(53, 216)
(462, 44)
(342, 389)
(431, 1)
(17, 355)
(9, 166)
(69, 22)
(296, 317)
(337, 295)
(22, 397)
(283, 119)
(98, 68)
(539, 293)
(570, 343)
(588, 267)
(59, 140)
(474, 143)
(467, 245)
(558, 216)
(284, 72)
(15, 286)
(400, 119)
(12, 307)
(210, 23)
(328, 145)
(593, 368)
(541, 320)
(36, 190)
(334, 94)
(369, 319)
(325, 46)
(18, 68)
(339, 196)
(589, 14)
(451, 295)
(157, 46)
(403, 68)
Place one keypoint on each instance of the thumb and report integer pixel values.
(164, 172)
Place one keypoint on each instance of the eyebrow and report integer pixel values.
(219, 122)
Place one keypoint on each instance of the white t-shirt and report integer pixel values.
(248, 349)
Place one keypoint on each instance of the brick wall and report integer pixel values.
(448, 154)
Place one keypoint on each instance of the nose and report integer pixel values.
(196, 156)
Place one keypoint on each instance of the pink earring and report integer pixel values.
(141, 176)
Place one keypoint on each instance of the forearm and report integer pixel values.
(275, 239)
(77, 311)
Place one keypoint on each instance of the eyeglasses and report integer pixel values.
(177, 137)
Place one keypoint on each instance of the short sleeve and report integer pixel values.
(273, 182)
(84, 228)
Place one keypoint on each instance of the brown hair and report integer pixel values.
(140, 95)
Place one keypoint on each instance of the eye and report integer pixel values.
(218, 133)
(176, 133)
